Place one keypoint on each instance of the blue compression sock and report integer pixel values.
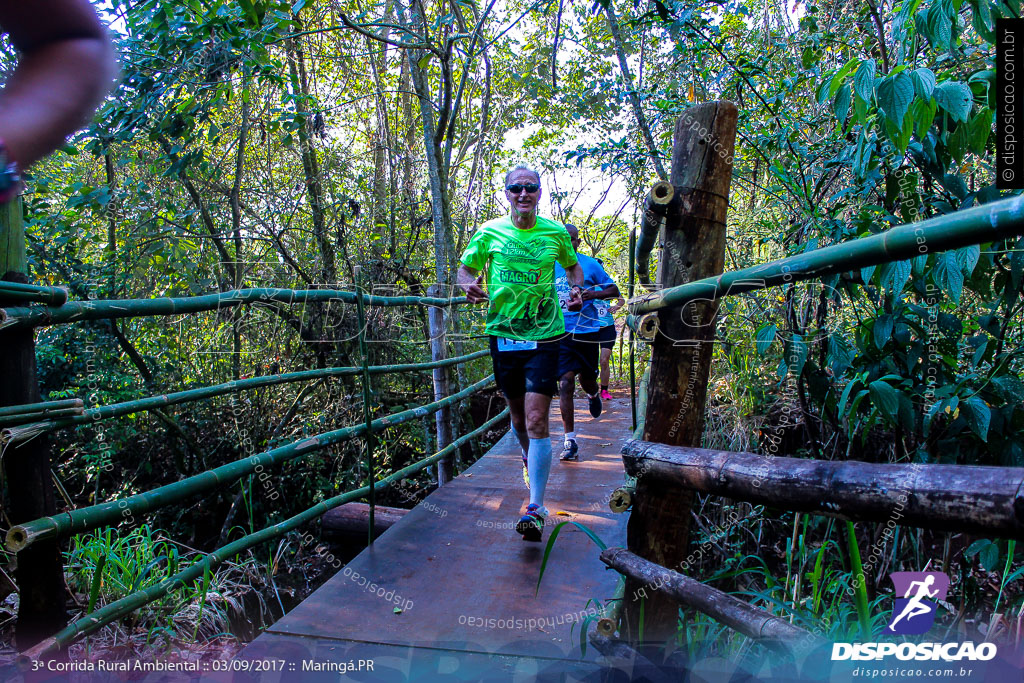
(539, 466)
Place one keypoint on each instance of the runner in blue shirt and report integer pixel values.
(578, 349)
(606, 310)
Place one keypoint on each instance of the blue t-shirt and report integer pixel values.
(603, 307)
(588, 318)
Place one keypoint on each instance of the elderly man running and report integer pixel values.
(524, 320)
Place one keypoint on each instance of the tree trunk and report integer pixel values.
(40, 573)
(694, 248)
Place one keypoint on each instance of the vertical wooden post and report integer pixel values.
(367, 415)
(40, 573)
(443, 417)
(693, 247)
(632, 341)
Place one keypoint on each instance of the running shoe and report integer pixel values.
(605, 396)
(531, 524)
(526, 471)
(595, 405)
(570, 451)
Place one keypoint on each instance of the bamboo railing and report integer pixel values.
(978, 500)
(986, 223)
(128, 604)
(31, 428)
(77, 311)
(19, 424)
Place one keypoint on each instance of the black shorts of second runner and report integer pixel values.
(606, 337)
(518, 372)
(579, 353)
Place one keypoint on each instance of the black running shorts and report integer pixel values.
(579, 353)
(533, 370)
(606, 337)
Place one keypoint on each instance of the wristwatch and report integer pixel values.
(10, 176)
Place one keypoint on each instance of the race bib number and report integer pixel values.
(516, 344)
(564, 292)
(601, 306)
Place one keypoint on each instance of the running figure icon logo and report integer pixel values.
(914, 613)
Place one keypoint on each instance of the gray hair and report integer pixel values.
(522, 167)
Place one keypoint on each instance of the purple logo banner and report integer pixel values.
(914, 609)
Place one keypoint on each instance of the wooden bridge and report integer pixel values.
(451, 590)
(467, 580)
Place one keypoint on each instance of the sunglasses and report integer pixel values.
(517, 188)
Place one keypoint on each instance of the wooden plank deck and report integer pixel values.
(468, 580)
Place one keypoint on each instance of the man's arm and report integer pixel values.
(574, 274)
(469, 279)
(66, 66)
(609, 292)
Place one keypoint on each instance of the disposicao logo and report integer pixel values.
(914, 614)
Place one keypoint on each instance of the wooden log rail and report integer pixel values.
(766, 628)
(985, 501)
(978, 225)
(83, 519)
(350, 522)
(75, 311)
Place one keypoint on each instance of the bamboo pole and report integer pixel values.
(645, 326)
(24, 433)
(972, 499)
(622, 498)
(48, 414)
(75, 311)
(609, 623)
(108, 613)
(84, 519)
(978, 225)
(656, 206)
(41, 406)
(768, 629)
(28, 298)
(17, 291)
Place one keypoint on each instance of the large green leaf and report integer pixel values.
(956, 98)
(956, 143)
(840, 77)
(948, 275)
(885, 397)
(968, 257)
(864, 79)
(923, 111)
(894, 96)
(978, 130)
(882, 329)
(979, 415)
(765, 336)
(841, 105)
(924, 82)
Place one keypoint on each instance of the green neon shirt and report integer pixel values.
(521, 275)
